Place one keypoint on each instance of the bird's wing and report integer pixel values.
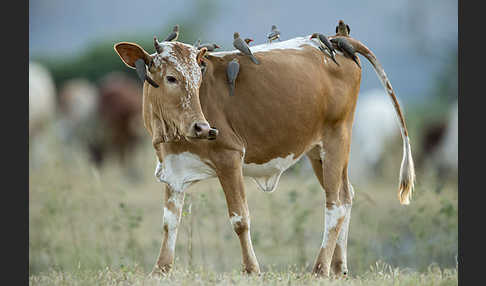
(232, 70)
(171, 37)
(242, 46)
(271, 34)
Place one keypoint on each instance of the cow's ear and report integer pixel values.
(131, 52)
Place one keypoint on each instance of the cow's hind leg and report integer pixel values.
(330, 165)
(339, 263)
(339, 258)
(174, 200)
(231, 178)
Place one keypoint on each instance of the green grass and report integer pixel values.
(99, 227)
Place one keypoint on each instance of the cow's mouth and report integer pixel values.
(213, 133)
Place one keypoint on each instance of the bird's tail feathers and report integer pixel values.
(254, 59)
(232, 88)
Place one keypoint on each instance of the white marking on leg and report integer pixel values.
(343, 237)
(332, 216)
(171, 221)
(177, 199)
(235, 219)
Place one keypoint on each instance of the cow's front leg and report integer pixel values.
(174, 200)
(231, 178)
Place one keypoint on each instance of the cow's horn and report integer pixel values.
(158, 48)
(142, 72)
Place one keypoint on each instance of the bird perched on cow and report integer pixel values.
(344, 46)
(342, 29)
(210, 47)
(248, 41)
(324, 44)
(232, 73)
(239, 44)
(274, 34)
(174, 35)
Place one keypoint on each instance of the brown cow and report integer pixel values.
(120, 103)
(296, 102)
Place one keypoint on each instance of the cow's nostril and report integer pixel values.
(197, 128)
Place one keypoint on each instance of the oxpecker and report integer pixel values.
(347, 49)
(274, 34)
(342, 29)
(232, 73)
(174, 35)
(210, 47)
(325, 44)
(239, 44)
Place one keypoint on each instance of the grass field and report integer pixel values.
(104, 227)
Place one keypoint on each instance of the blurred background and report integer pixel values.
(93, 199)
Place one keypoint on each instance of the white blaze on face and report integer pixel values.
(187, 67)
(332, 217)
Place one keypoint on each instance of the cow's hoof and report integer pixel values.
(251, 270)
(159, 272)
(320, 272)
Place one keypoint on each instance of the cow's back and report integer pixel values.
(282, 106)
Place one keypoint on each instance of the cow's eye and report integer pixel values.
(171, 79)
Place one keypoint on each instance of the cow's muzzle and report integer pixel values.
(202, 130)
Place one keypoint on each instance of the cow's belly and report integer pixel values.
(179, 171)
(267, 175)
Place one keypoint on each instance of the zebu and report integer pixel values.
(296, 102)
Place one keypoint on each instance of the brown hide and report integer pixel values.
(286, 104)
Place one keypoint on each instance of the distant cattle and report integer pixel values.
(120, 106)
(375, 127)
(295, 103)
(439, 152)
(104, 118)
(42, 98)
(78, 106)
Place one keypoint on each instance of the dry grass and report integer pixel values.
(92, 227)
(379, 274)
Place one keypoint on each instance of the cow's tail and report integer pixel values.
(407, 170)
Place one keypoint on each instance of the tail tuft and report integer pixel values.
(407, 174)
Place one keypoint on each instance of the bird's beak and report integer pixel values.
(217, 47)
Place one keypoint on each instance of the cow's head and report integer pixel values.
(172, 77)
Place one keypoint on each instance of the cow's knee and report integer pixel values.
(240, 223)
